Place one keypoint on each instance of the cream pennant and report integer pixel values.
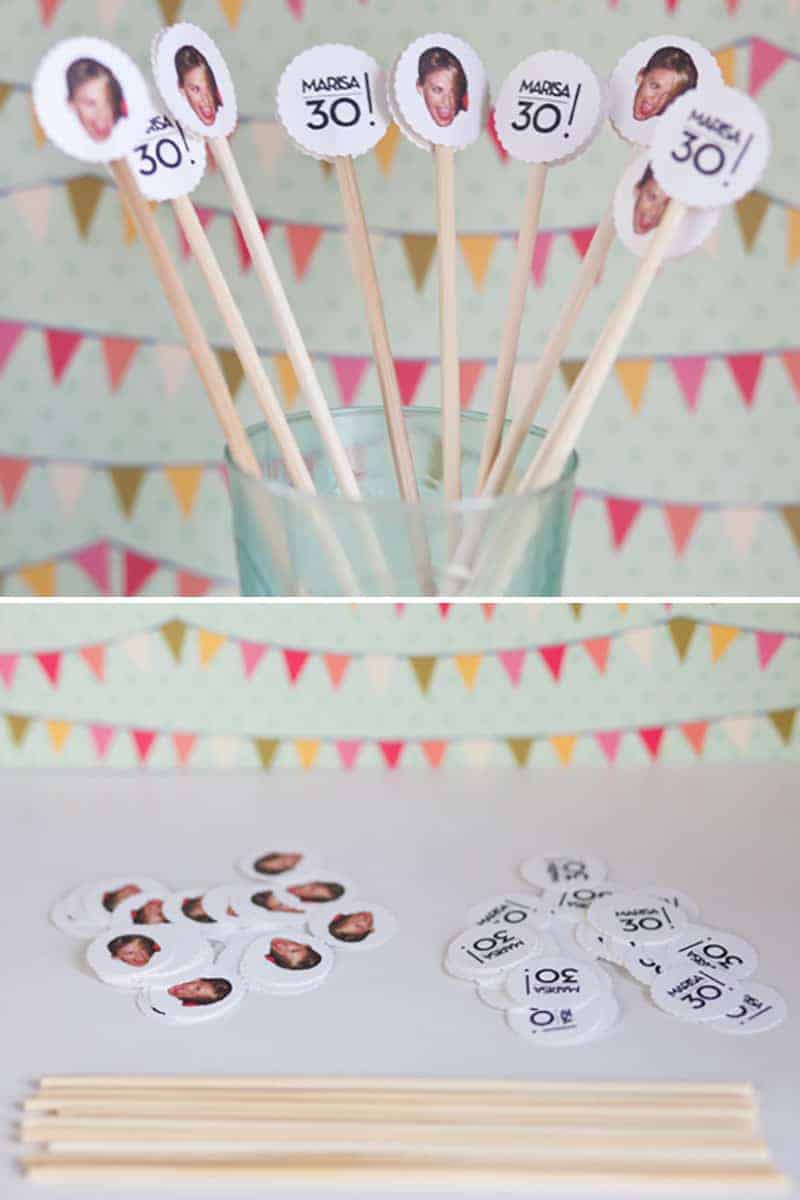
(173, 362)
(67, 481)
(108, 11)
(380, 668)
(741, 525)
(270, 141)
(641, 642)
(738, 730)
(224, 749)
(477, 753)
(137, 648)
(34, 205)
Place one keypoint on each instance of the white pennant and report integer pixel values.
(67, 481)
(137, 649)
(740, 525)
(477, 753)
(172, 362)
(270, 141)
(225, 749)
(33, 205)
(108, 11)
(738, 729)
(641, 642)
(380, 668)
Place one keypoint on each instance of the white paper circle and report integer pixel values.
(194, 1000)
(185, 906)
(639, 96)
(639, 204)
(166, 161)
(397, 116)
(549, 108)
(554, 980)
(123, 956)
(147, 909)
(510, 908)
(557, 1026)
(761, 1009)
(90, 98)
(204, 98)
(694, 995)
(636, 916)
(101, 900)
(677, 899)
(715, 950)
(353, 930)
(493, 994)
(68, 914)
(331, 101)
(450, 105)
(648, 963)
(322, 889)
(563, 870)
(711, 147)
(597, 945)
(277, 864)
(266, 906)
(572, 904)
(276, 962)
(482, 950)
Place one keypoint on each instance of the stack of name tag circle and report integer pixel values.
(536, 956)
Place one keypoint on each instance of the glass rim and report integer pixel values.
(467, 504)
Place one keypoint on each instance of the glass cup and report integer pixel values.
(290, 543)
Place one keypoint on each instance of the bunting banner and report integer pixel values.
(160, 748)
(186, 642)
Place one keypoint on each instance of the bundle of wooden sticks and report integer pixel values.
(465, 1133)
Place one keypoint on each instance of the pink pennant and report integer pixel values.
(608, 740)
(143, 740)
(8, 668)
(765, 59)
(689, 373)
(136, 570)
(732, 6)
(296, 8)
(434, 752)
(598, 650)
(444, 607)
(399, 607)
(303, 241)
(204, 216)
(498, 145)
(348, 373)
(512, 662)
(695, 734)
(245, 261)
(541, 253)
(469, 373)
(791, 360)
(61, 346)
(681, 520)
(746, 369)
(95, 560)
(184, 744)
(118, 353)
(47, 10)
(102, 737)
(348, 753)
(10, 333)
(672, 6)
(553, 657)
(95, 659)
(336, 665)
(50, 662)
(391, 752)
(190, 584)
(488, 608)
(768, 645)
(409, 376)
(621, 516)
(652, 739)
(252, 654)
(12, 473)
(581, 238)
(295, 661)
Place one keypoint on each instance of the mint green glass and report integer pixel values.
(289, 543)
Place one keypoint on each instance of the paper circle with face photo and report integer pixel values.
(639, 204)
(194, 81)
(89, 98)
(278, 962)
(549, 108)
(146, 908)
(68, 914)
(312, 892)
(650, 78)
(121, 956)
(102, 899)
(263, 906)
(193, 1000)
(353, 930)
(331, 101)
(441, 90)
(166, 161)
(186, 906)
(278, 862)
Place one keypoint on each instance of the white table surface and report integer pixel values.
(426, 846)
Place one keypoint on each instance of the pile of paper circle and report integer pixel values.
(191, 954)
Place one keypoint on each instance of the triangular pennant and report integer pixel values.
(681, 520)
(336, 665)
(108, 11)
(721, 637)
(512, 662)
(296, 8)
(541, 254)
(231, 9)
(570, 370)
(224, 748)
(270, 141)
(468, 666)
(61, 346)
(136, 571)
(67, 481)
(348, 373)
(386, 149)
(8, 668)
(621, 515)
(126, 482)
(783, 721)
(444, 607)
(295, 661)
(173, 362)
(477, 251)
(434, 752)
(39, 135)
(741, 525)
(231, 368)
(477, 753)
(598, 650)
(750, 213)
(208, 645)
(726, 61)
(689, 373)
(174, 634)
(738, 729)
(746, 369)
(40, 577)
(12, 473)
(95, 659)
(183, 745)
(137, 648)
(58, 732)
(582, 238)
(17, 728)
(170, 10)
(469, 373)
(307, 751)
(391, 753)
(652, 738)
(5, 91)
(95, 560)
(303, 241)
(520, 750)
(633, 374)
(348, 752)
(564, 746)
(118, 353)
(188, 583)
(695, 734)
(102, 737)
(641, 643)
(791, 516)
(33, 205)
(791, 361)
(608, 740)
(553, 658)
(185, 482)
(47, 10)
(143, 740)
(767, 646)
(681, 630)
(765, 59)
(487, 608)
(380, 668)
(84, 192)
(266, 749)
(419, 249)
(409, 376)
(50, 662)
(287, 379)
(423, 667)
(10, 333)
(491, 125)
(252, 654)
(792, 235)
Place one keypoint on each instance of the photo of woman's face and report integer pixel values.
(649, 207)
(656, 88)
(93, 105)
(194, 990)
(151, 913)
(440, 93)
(112, 900)
(276, 863)
(192, 908)
(135, 951)
(290, 954)
(272, 903)
(197, 89)
(357, 924)
(315, 892)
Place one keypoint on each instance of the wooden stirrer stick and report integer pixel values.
(448, 321)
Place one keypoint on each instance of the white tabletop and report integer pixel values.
(426, 846)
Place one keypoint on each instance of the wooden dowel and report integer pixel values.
(444, 158)
(526, 242)
(205, 360)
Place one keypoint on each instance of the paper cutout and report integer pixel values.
(765, 59)
(441, 92)
(331, 100)
(12, 474)
(165, 162)
(639, 205)
(118, 353)
(650, 78)
(95, 560)
(193, 80)
(61, 347)
(549, 108)
(348, 373)
(84, 192)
